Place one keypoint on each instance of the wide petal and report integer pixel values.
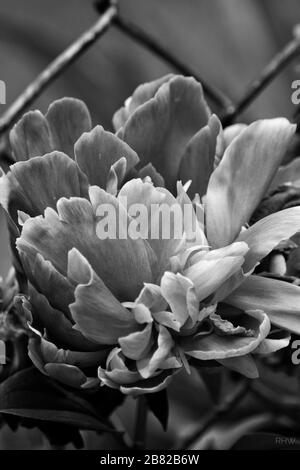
(36, 135)
(160, 128)
(36, 184)
(266, 234)
(98, 315)
(243, 176)
(96, 151)
(280, 300)
(163, 230)
(141, 95)
(123, 264)
(57, 326)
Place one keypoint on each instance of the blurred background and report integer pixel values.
(227, 42)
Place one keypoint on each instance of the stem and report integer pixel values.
(223, 409)
(57, 67)
(140, 424)
(152, 45)
(277, 64)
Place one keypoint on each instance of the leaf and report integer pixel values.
(29, 394)
(213, 381)
(159, 405)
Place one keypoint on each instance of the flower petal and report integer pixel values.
(136, 345)
(68, 118)
(217, 347)
(96, 151)
(36, 184)
(251, 159)
(197, 163)
(98, 315)
(175, 288)
(31, 137)
(279, 299)
(160, 128)
(141, 95)
(149, 365)
(266, 234)
(122, 264)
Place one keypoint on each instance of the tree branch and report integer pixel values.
(223, 409)
(137, 34)
(277, 64)
(57, 67)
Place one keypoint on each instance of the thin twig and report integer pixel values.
(57, 67)
(223, 409)
(277, 64)
(139, 35)
(140, 424)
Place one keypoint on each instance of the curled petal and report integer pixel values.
(122, 264)
(280, 300)
(141, 95)
(98, 315)
(217, 347)
(244, 365)
(96, 151)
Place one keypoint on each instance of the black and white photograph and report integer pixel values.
(149, 230)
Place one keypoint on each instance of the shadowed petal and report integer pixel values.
(280, 300)
(197, 162)
(148, 365)
(137, 345)
(248, 165)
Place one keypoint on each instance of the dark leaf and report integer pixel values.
(159, 405)
(29, 394)
(213, 380)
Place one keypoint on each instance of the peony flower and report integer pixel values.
(130, 312)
